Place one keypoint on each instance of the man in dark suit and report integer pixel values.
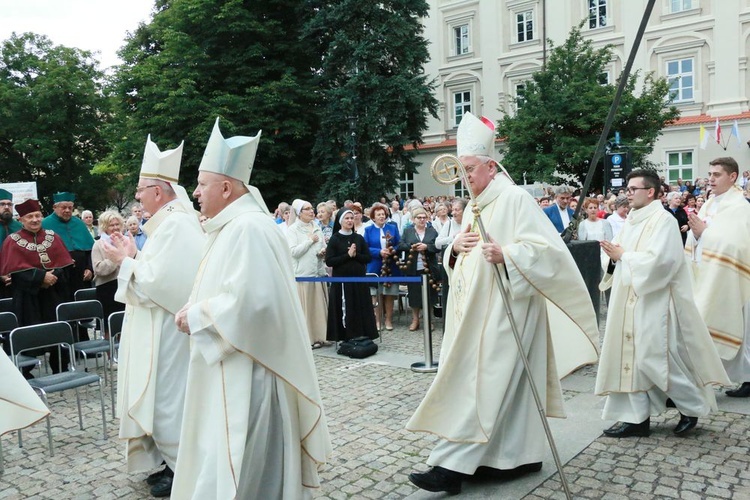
(559, 212)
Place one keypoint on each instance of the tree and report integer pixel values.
(50, 123)
(241, 61)
(563, 109)
(374, 96)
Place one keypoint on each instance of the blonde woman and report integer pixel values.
(105, 271)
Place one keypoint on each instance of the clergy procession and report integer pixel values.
(226, 379)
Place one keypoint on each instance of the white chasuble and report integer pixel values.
(479, 397)
(254, 423)
(154, 355)
(19, 405)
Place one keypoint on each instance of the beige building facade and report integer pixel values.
(482, 52)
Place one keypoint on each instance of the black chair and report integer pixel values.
(85, 294)
(6, 305)
(8, 323)
(115, 322)
(57, 334)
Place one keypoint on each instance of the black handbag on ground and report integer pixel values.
(359, 347)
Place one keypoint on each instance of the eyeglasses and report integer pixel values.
(632, 190)
(141, 189)
(6, 204)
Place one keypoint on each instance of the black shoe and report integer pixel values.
(163, 488)
(484, 472)
(742, 391)
(156, 476)
(685, 424)
(626, 429)
(438, 479)
(670, 403)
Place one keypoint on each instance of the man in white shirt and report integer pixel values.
(559, 212)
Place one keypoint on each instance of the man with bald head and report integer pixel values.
(254, 425)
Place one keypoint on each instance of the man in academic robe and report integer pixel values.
(481, 404)
(254, 425)
(719, 249)
(8, 225)
(76, 237)
(36, 261)
(154, 283)
(657, 352)
(559, 212)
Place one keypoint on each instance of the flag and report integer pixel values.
(703, 137)
(717, 132)
(736, 133)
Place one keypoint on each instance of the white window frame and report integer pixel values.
(459, 191)
(406, 185)
(680, 6)
(461, 39)
(466, 106)
(677, 79)
(594, 7)
(517, 99)
(680, 167)
(528, 16)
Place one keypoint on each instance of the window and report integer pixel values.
(597, 13)
(680, 5)
(461, 105)
(461, 43)
(680, 165)
(680, 76)
(406, 186)
(603, 78)
(459, 191)
(520, 97)
(525, 26)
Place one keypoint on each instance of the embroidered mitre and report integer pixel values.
(233, 157)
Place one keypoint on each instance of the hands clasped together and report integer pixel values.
(467, 239)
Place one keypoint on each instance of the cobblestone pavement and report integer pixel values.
(368, 403)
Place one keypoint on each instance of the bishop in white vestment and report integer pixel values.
(254, 425)
(657, 350)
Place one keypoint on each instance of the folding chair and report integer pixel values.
(57, 334)
(8, 323)
(114, 323)
(6, 305)
(85, 294)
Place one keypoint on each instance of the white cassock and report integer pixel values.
(254, 425)
(480, 403)
(19, 405)
(721, 278)
(655, 344)
(154, 355)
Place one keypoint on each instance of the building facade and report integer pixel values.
(482, 52)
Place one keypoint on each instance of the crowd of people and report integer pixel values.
(216, 379)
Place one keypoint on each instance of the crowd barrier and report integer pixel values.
(429, 365)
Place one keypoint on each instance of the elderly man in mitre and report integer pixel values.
(154, 283)
(719, 250)
(36, 261)
(254, 424)
(481, 404)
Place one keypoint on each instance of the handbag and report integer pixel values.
(358, 348)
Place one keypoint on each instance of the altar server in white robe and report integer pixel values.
(718, 247)
(657, 351)
(254, 424)
(154, 283)
(480, 404)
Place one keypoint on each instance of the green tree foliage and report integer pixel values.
(242, 61)
(374, 97)
(564, 108)
(51, 114)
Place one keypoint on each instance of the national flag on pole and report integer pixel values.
(717, 132)
(703, 137)
(736, 133)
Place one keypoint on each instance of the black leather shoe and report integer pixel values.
(670, 403)
(626, 429)
(742, 391)
(163, 488)
(156, 476)
(484, 472)
(438, 479)
(685, 424)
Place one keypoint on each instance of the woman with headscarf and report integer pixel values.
(306, 241)
(420, 257)
(350, 312)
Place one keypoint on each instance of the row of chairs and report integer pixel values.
(86, 312)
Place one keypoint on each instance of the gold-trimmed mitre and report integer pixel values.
(233, 157)
(160, 165)
(475, 137)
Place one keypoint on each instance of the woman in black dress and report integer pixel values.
(419, 252)
(350, 311)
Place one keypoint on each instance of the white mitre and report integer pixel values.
(161, 165)
(475, 137)
(233, 157)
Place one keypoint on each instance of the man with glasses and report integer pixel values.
(8, 225)
(657, 352)
(154, 283)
